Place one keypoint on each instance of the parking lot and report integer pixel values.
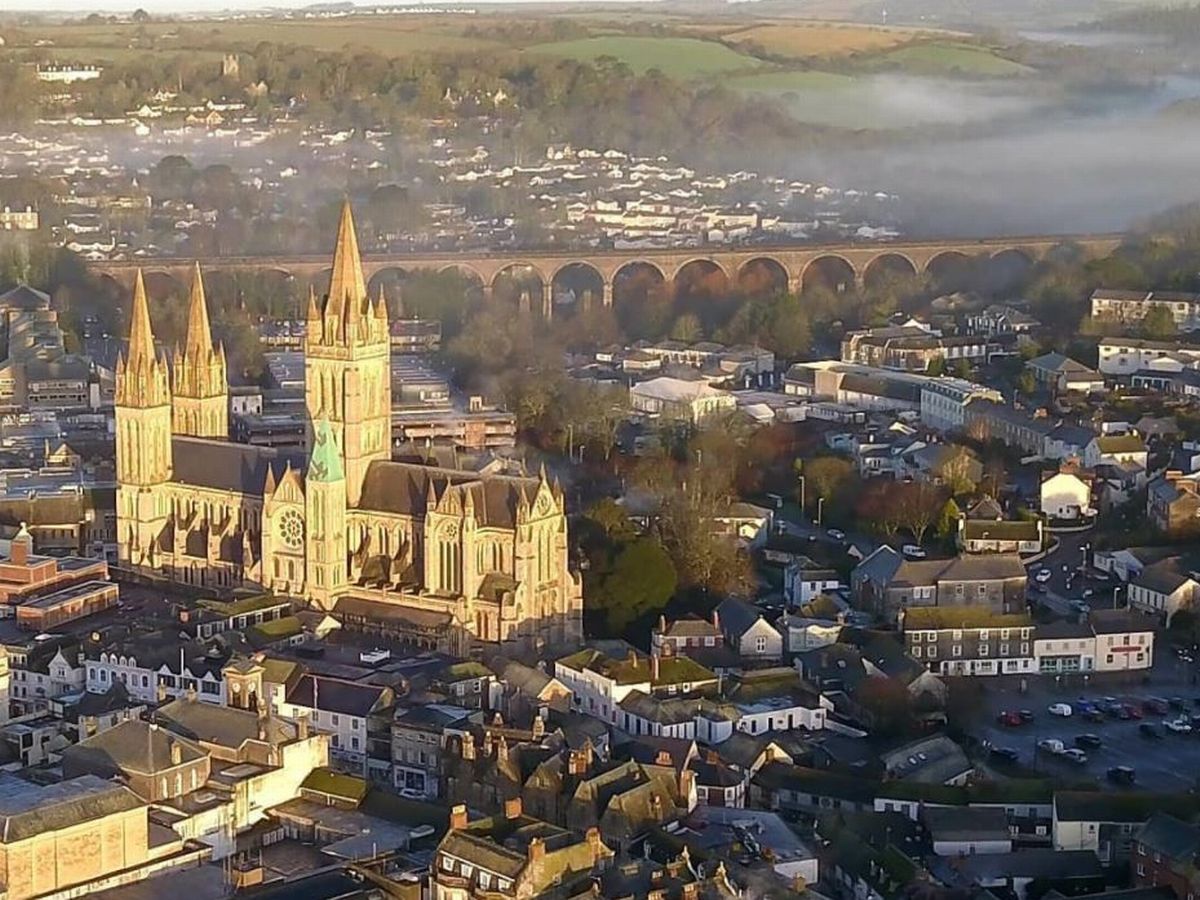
(1170, 762)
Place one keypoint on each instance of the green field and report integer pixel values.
(391, 36)
(675, 57)
(948, 58)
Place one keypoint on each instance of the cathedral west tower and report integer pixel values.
(143, 422)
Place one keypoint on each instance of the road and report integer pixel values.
(1073, 551)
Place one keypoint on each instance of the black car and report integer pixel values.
(1177, 703)
(1025, 714)
(1088, 741)
(1158, 705)
(1005, 754)
(1149, 731)
(1122, 775)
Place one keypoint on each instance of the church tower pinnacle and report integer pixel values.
(201, 385)
(347, 365)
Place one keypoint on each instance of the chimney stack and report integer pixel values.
(716, 619)
(512, 808)
(537, 850)
(468, 746)
(654, 668)
(595, 843)
(458, 817)
(302, 727)
(176, 753)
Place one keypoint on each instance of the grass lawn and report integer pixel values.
(676, 57)
(819, 40)
(949, 58)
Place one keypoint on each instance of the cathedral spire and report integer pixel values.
(198, 343)
(347, 287)
(141, 335)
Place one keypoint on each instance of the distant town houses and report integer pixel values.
(914, 347)
(1061, 374)
(1131, 307)
(887, 582)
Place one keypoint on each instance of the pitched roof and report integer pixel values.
(405, 488)
(223, 465)
(334, 695)
(223, 726)
(1171, 837)
(927, 618)
(27, 809)
(949, 823)
(1105, 806)
(133, 745)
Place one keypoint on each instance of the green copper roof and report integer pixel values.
(326, 462)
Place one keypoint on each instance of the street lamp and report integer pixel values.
(801, 479)
(820, 508)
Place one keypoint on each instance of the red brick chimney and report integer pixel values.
(654, 668)
(537, 850)
(458, 817)
(512, 808)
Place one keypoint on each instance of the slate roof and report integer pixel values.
(1163, 577)
(737, 616)
(27, 809)
(223, 465)
(132, 745)
(1173, 838)
(24, 297)
(948, 823)
(336, 696)
(403, 488)
(1039, 862)
(1105, 806)
(220, 725)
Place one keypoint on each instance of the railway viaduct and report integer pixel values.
(850, 263)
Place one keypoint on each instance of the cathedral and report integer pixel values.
(467, 557)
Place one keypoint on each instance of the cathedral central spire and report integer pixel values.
(347, 287)
(201, 384)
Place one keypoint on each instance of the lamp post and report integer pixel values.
(800, 478)
(820, 508)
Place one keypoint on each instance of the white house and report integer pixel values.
(1124, 642)
(1115, 450)
(674, 398)
(1064, 495)
(340, 709)
(967, 830)
(1163, 588)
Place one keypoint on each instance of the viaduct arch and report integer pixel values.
(861, 260)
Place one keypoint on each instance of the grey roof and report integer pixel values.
(1163, 577)
(737, 616)
(1057, 362)
(1040, 862)
(27, 809)
(223, 465)
(404, 488)
(133, 745)
(24, 297)
(1171, 837)
(1105, 806)
(220, 725)
(966, 823)
(334, 695)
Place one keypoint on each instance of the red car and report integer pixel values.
(1135, 710)
(1011, 719)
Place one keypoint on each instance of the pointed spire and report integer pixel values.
(198, 342)
(313, 311)
(141, 335)
(347, 288)
(269, 484)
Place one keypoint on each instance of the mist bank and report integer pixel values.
(1099, 170)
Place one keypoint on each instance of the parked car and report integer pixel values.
(913, 551)
(1042, 576)
(1177, 703)
(1147, 730)
(1094, 715)
(1026, 715)
(1005, 754)
(1075, 755)
(836, 533)
(1134, 710)
(1179, 726)
(1010, 719)
(1156, 705)
(1051, 745)
(1122, 775)
(1088, 741)
(1059, 709)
